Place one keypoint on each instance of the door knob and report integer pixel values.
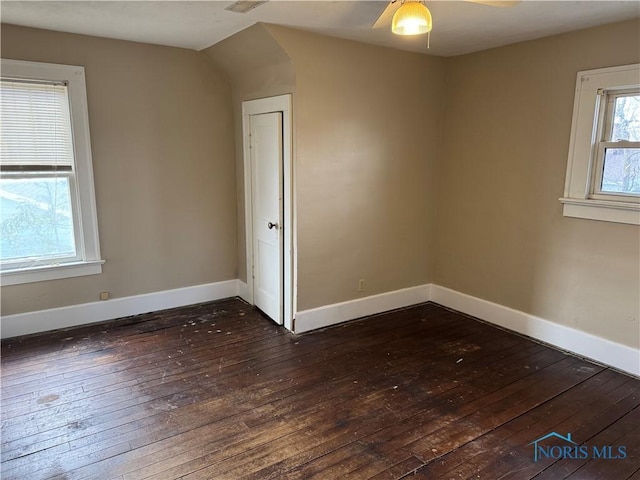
(272, 225)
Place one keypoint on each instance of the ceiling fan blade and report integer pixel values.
(496, 3)
(385, 17)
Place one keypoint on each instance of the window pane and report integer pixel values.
(626, 119)
(621, 172)
(35, 219)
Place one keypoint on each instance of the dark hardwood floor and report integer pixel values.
(216, 391)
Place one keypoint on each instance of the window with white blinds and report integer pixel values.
(48, 225)
(36, 125)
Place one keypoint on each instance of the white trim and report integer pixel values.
(607, 211)
(578, 342)
(581, 343)
(280, 103)
(76, 315)
(243, 291)
(341, 312)
(51, 272)
(566, 338)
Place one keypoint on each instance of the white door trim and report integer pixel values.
(280, 103)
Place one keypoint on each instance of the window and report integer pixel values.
(617, 168)
(603, 171)
(48, 226)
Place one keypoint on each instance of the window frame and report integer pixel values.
(583, 197)
(605, 126)
(88, 260)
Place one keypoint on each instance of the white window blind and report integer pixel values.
(35, 126)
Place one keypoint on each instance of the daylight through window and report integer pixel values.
(47, 207)
(618, 157)
(36, 216)
(603, 169)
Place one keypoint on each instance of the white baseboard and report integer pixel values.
(75, 315)
(341, 312)
(581, 343)
(243, 292)
(566, 338)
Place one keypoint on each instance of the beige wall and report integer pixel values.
(501, 234)
(367, 122)
(257, 67)
(162, 141)
(254, 62)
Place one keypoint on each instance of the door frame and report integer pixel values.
(280, 103)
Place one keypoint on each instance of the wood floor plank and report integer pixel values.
(349, 382)
(635, 475)
(19, 420)
(605, 429)
(401, 406)
(616, 467)
(402, 402)
(217, 391)
(520, 452)
(245, 473)
(511, 440)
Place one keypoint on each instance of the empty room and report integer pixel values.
(320, 240)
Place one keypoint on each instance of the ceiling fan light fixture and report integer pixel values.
(412, 18)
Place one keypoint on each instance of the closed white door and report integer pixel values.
(266, 208)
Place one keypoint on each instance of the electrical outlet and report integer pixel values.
(361, 285)
(104, 295)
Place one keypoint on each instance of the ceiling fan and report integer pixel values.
(412, 17)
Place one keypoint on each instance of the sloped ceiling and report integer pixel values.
(459, 27)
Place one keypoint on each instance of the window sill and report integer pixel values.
(41, 274)
(603, 210)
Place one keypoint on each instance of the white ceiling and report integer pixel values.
(459, 27)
